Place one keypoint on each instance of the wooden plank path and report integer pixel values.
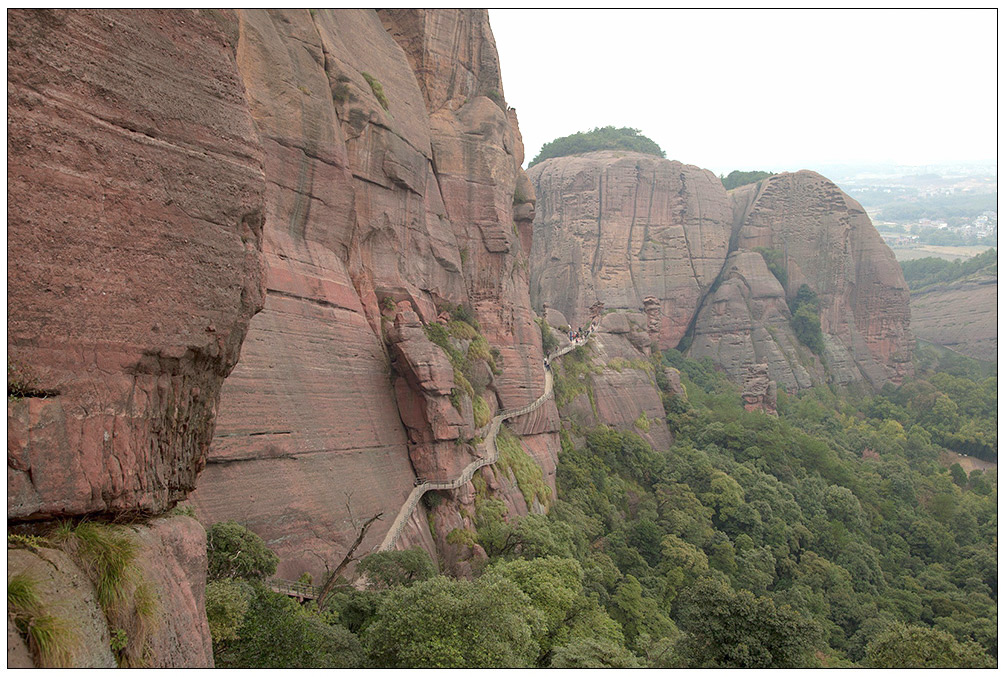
(488, 455)
(302, 591)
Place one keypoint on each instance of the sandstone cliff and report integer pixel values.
(356, 176)
(654, 237)
(391, 167)
(746, 321)
(961, 315)
(135, 192)
(611, 380)
(828, 242)
(633, 231)
(135, 213)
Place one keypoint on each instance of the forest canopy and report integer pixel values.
(843, 532)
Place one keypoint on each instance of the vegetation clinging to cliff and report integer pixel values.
(805, 322)
(51, 639)
(599, 138)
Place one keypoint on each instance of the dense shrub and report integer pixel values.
(277, 632)
(738, 178)
(599, 138)
(235, 552)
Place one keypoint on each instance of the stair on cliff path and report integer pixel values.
(489, 456)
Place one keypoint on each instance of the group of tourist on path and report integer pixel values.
(576, 337)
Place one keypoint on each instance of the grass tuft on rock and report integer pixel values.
(51, 639)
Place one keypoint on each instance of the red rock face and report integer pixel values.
(650, 236)
(831, 245)
(746, 322)
(621, 388)
(399, 193)
(135, 208)
(171, 558)
(633, 231)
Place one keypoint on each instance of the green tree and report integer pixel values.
(445, 623)
(235, 552)
(277, 632)
(913, 646)
(593, 653)
(396, 567)
(740, 178)
(599, 138)
(737, 629)
(226, 603)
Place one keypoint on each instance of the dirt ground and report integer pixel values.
(968, 463)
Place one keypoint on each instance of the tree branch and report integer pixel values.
(330, 584)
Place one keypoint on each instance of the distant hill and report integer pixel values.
(921, 273)
(954, 303)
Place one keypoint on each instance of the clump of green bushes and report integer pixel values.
(599, 138)
(377, 89)
(805, 319)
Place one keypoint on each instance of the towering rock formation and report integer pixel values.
(135, 194)
(391, 168)
(135, 211)
(354, 175)
(828, 242)
(634, 231)
(646, 235)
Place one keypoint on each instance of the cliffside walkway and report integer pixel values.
(296, 589)
(488, 456)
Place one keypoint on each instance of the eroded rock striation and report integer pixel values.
(136, 203)
(828, 242)
(655, 238)
(633, 231)
(356, 176)
(392, 165)
(746, 321)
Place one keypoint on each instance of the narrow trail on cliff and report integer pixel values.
(488, 449)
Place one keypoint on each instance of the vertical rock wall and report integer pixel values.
(135, 209)
(651, 236)
(633, 231)
(830, 244)
(391, 168)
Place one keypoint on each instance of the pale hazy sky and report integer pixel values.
(759, 89)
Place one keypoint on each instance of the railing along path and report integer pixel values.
(488, 457)
(303, 591)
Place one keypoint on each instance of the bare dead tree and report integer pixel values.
(331, 581)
